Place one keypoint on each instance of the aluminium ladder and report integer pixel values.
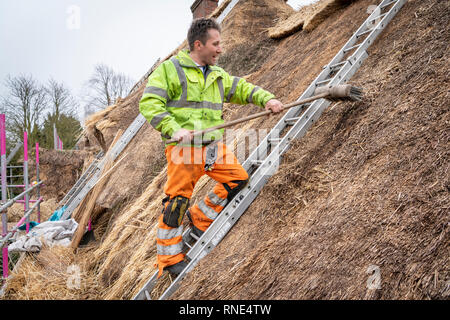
(79, 184)
(90, 177)
(96, 167)
(263, 161)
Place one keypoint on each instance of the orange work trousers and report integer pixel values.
(185, 166)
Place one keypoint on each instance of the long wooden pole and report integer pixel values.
(256, 115)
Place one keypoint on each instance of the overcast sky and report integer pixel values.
(64, 39)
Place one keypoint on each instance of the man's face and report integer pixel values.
(209, 52)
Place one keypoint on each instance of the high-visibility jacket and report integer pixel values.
(178, 95)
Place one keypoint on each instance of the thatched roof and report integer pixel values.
(307, 18)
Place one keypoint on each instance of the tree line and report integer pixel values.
(36, 108)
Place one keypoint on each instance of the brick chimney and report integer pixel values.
(203, 8)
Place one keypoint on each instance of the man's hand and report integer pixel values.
(183, 135)
(274, 105)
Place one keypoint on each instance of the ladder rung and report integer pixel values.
(188, 245)
(277, 140)
(351, 48)
(291, 120)
(379, 17)
(257, 162)
(340, 64)
(363, 33)
(387, 4)
(318, 83)
(194, 236)
(147, 295)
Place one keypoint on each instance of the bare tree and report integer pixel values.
(61, 101)
(62, 107)
(24, 106)
(105, 86)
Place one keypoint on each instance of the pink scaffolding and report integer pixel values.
(24, 197)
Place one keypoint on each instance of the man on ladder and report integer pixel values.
(183, 95)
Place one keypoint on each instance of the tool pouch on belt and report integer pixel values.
(174, 211)
(211, 156)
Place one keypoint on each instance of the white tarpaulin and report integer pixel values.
(49, 232)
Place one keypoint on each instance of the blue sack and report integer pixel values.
(32, 225)
(57, 214)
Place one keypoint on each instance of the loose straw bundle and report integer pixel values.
(84, 210)
(307, 18)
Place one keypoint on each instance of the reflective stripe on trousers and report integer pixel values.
(170, 250)
(169, 245)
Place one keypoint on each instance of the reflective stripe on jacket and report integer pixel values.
(178, 95)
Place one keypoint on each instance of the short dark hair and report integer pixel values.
(199, 30)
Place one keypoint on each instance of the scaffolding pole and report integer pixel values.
(4, 196)
(55, 138)
(38, 189)
(25, 178)
(25, 195)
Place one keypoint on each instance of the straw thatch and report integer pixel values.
(54, 164)
(216, 13)
(84, 212)
(307, 18)
(248, 22)
(324, 10)
(16, 211)
(54, 273)
(290, 25)
(366, 187)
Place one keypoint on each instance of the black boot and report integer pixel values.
(194, 229)
(176, 268)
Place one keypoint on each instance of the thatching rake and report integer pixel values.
(344, 92)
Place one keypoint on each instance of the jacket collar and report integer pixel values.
(185, 59)
(187, 62)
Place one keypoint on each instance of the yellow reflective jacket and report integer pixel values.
(178, 95)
